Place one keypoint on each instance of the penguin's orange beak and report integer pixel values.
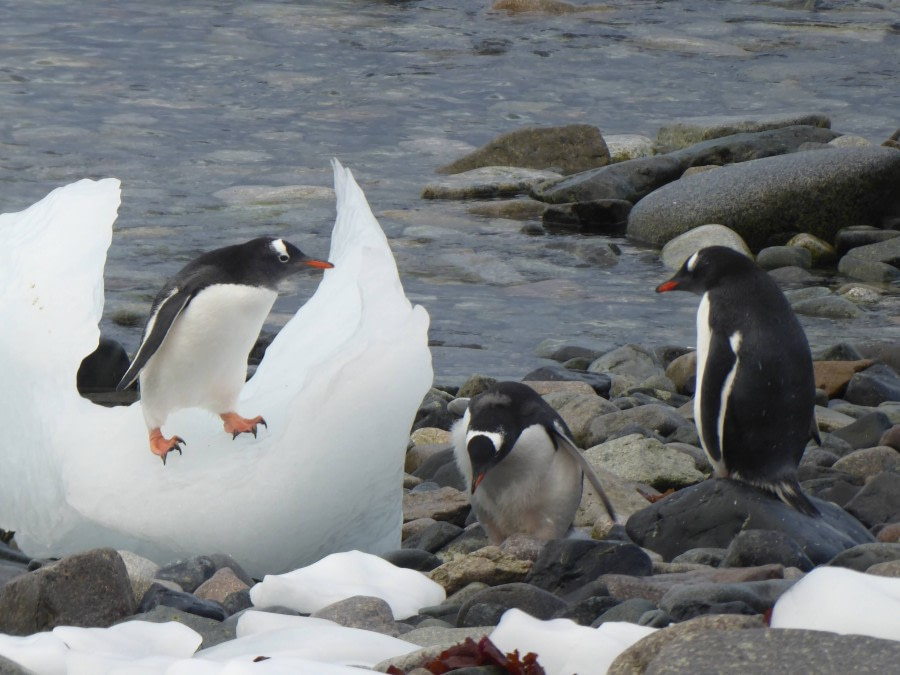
(476, 481)
(669, 285)
(319, 264)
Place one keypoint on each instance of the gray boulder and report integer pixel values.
(682, 247)
(682, 133)
(745, 147)
(874, 262)
(815, 192)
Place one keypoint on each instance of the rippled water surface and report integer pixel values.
(187, 102)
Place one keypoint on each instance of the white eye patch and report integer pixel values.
(495, 438)
(278, 246)
(692, 262)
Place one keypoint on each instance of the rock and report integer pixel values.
(433, 411)
(760, 547)
(861, 294)
(220, 585)
(436, 640)
(523, 547)
(487, 182)
(158, 595)
(712, 513)
(891, 437)
(828, 307)
(579, 412)
(821, 252)
(773, 650)
(488, 565)
(773, 257)
(888, 352)
(360, 611)
(474, 385)
(599, 216)
(848, 238)
(885, 569)
(683, 373)
(815, 192)
(599, 382)
(833, 376)
(645, 460)
(89, 589)
(188, 574)
(875, 262)
(434, 537)
(873, 386)
(623, 147)
(535, 601)
(413, 559)
(638, 656)
(102, 369)
(744, 147)
(8, 667)
(702, 556)
(567, 149)
(141, 572)
(862, 557)
(211, 631)
(868, 462)
(629, 610)
(472, 539)
(630, 181)
(631, 360)
(624, 495)
(752, 597)
(850, 141)
(566, 565)
(654, 417)
(682, 133)
(432, 461)
(446, 503)
(890, 533)
(563, 350)
(878, 501)
(682, 247)
(430, 436)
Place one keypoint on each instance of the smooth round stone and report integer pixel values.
(752, 548)
(682, 247)
(862, 557)
(878, 501)
(821, 251)
(535, 601)
(774, 257)
(630, 610)
(413, 558)
(159, 595)
(828, 307)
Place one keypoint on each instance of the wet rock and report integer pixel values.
(744, 147)
(828, 307)
(861, 294)
(821, 252)
(601, 216)
(773, 257)
(158, 595)
(488, 565)
(360, 611)
(494, 601)
(645, 460)
(565, 565)
(630, 181)
(567, 149)
(654, 417)
(878, 501)
(447, 504)
(773, 650)
(413, 559)
(875, 262)
(848, 238)
(598, 381)
(487, 182)
(873, 386)
(89, 589)
(511, 209)
(833, 376)
(712, 513)
(760, 547)
(685, 132)
(815, 192)
(682, 247)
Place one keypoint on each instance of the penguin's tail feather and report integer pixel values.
(790, 492)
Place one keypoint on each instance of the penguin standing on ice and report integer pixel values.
(522, 467)
(202, 326)
(755, 395)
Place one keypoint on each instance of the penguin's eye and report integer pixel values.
(284, 257)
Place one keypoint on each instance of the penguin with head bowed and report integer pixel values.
(754, 405)
(202, 326)
(522, 468)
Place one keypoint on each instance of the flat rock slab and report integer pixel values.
(817, 192)
(487, 182)
(682, 133)
(711, 514)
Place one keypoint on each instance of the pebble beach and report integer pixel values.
(535, 244)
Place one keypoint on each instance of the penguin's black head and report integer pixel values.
(266, 261)
(706, 268)
(497, 418)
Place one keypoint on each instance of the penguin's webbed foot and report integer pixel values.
(237, 425)
(162, 446)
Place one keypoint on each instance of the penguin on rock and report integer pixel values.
(202, 326)
(754, 405)
(522, 468)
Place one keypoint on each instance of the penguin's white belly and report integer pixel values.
(202, 362)
(704, 336)
(534, 490)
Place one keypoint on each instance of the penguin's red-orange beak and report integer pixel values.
(669, 285)
(319, 264)
(476, 481)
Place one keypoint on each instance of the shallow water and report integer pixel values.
(183, 103)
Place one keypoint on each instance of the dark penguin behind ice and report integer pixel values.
(755, 401)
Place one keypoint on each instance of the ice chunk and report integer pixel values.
(343, 575)
(339, 388)
(841, 601)
(41, 653)
(564, 647)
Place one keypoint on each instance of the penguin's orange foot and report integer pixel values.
(162, 446)
(237, 425)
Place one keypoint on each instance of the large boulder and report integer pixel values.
(629, 181)
(817, 192)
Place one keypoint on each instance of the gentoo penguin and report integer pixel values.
(755, 395)
(202, 326)
(523, 470)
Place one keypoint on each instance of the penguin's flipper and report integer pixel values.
(814, 431)
(158, 327)
(562, 439)
(714, 391)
